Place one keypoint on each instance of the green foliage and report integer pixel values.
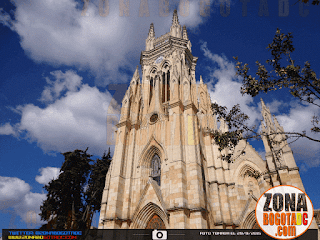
(314, 2)
(97, 181)
(301, 81)
(75, 195)
(238, 129)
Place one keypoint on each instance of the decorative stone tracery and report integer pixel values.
(146, 216)
(155, 223)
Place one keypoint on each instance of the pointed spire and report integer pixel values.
(136, 76)
(201, 80)
(150, 39)
(185, 37)
(185, 34)
(267, 117)
(263, 105)
(175, 20)
(264, 138)
(175, 29)
(136, 73)
(263, 128)
(277, 125)
(151, 31)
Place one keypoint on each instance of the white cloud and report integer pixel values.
(276, 106)
(69, 81)
(11, 191)
(47, 174)
(7, 129)
(5, 18)
(298, 114)
(75, 120)
(190, 16)
(298, 120)
(15, 193)
(224, 86)
(29, 208)
(55, 32)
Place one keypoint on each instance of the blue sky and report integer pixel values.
(57, 65)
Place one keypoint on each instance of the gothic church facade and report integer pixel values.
(167, 171)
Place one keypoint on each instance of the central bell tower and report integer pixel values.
(167, 64)
(156, 172)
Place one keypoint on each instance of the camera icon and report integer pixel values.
(159, 234)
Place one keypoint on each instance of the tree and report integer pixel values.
(301, 82)
(72, 198)
(314, 2)
(236, 122)
(96, 184)
(64, 205)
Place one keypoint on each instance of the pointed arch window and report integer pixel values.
(151, 90)
(163, 87)
(156, 168)
(168, 86)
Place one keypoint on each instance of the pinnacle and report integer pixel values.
(262, 103)
(264, 108)
(136, 75)
(151, 30)
(276, 123)
(185, 34)
(175, 19)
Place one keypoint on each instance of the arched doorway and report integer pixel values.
(250, 221)
(149, 214)
(155, 222)
(255, 226)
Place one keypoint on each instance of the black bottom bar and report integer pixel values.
(132, 234)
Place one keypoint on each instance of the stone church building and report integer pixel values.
(167, 171)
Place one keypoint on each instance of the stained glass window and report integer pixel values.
(155, 223)
(156, 168)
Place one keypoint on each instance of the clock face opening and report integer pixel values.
(159, 60)
(154, 117)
